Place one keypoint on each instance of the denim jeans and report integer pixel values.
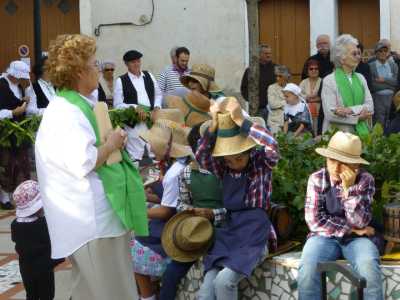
(172, 277)
(361, 253)
(220, 285)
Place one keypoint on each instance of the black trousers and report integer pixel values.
(38, 285)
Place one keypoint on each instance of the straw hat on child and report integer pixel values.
(186, 237)
(344, 147)
(205, 75)
(172, 114)
(230, 140)
(166, 133)
(194, 106)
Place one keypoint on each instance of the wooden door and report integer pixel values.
(360, 18)
(285, 26)
(16, 25)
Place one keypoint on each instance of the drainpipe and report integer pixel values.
(37, 30)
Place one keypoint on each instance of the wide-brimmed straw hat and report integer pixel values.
(172, 114)
(166, 134)
(194, 107)
(187, 237)
(27, 199)
(396, 101)
(205, 75)
(344, 147)
(230, 140)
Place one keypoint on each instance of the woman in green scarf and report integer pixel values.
(90, 205)
(346, 99)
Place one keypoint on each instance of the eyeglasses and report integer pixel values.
(355, 53)
(313, 69)
(108, 70)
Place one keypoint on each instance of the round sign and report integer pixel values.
(23, 51)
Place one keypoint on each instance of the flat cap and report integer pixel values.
(132, 55)
(379, 46)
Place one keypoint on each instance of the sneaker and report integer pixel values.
(6, 206)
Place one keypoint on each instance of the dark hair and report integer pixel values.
(361, 47)
(312, 62)
(194, 137)
(180, 50)
(37, 69)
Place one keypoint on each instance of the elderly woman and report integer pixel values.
(384, 73)
(311, 89)
(276, 99)
(346, 99)
(106, 82)
(78, 188)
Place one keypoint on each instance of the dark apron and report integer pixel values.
(335, 208)
(241, 242)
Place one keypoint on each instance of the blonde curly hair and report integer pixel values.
(68, 56)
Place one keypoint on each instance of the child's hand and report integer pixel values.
(235, 109)
(214, 110)
(348, 178)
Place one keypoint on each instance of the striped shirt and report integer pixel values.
(169, 79)
(357, 206)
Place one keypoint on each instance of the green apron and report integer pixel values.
(122, 183)
(206, 190)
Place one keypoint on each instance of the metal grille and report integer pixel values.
(11, 7)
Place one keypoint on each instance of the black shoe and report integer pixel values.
(6, 206)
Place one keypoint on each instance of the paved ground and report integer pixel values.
(11, 287)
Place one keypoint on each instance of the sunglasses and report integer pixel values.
(313, 69)
(108, 70)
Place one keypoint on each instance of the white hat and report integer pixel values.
(19, 69)
(293, 88)
(27, 198)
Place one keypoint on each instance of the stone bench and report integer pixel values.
(276, 279)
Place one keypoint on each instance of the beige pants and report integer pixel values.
(102, 270)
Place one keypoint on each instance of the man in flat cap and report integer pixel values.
(137, 89)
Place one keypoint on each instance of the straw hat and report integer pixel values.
(344, 147)
(230, 140)
(162, 132)
(194, 107)
(172, 114)
(205, 75)
(396, 101)
(187, 237)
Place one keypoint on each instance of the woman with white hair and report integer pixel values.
(276, 99)
(106, 82)
(346, 99)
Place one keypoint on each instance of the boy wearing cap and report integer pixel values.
(338, 213)
(32, 243)
(13, 104)
(139, 90)
(228, 150)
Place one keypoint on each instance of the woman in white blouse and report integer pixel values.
(70, 165)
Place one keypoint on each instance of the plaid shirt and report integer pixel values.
(185, 200)
(259, 170)
(357, 206)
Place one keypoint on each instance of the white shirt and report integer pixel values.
(171, 184)
(74, 201)
(7, 113)
(135, 145)
(48, 91)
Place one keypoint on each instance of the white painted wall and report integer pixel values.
(214, 31)
(395, 24)
(323, 20)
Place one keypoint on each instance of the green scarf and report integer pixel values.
(352, 94)
(121, 181)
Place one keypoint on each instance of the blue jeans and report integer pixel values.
(172, 277)
(361, 253)
(220, 285)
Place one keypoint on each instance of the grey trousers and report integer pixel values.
(382, 106)
(102, 270)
